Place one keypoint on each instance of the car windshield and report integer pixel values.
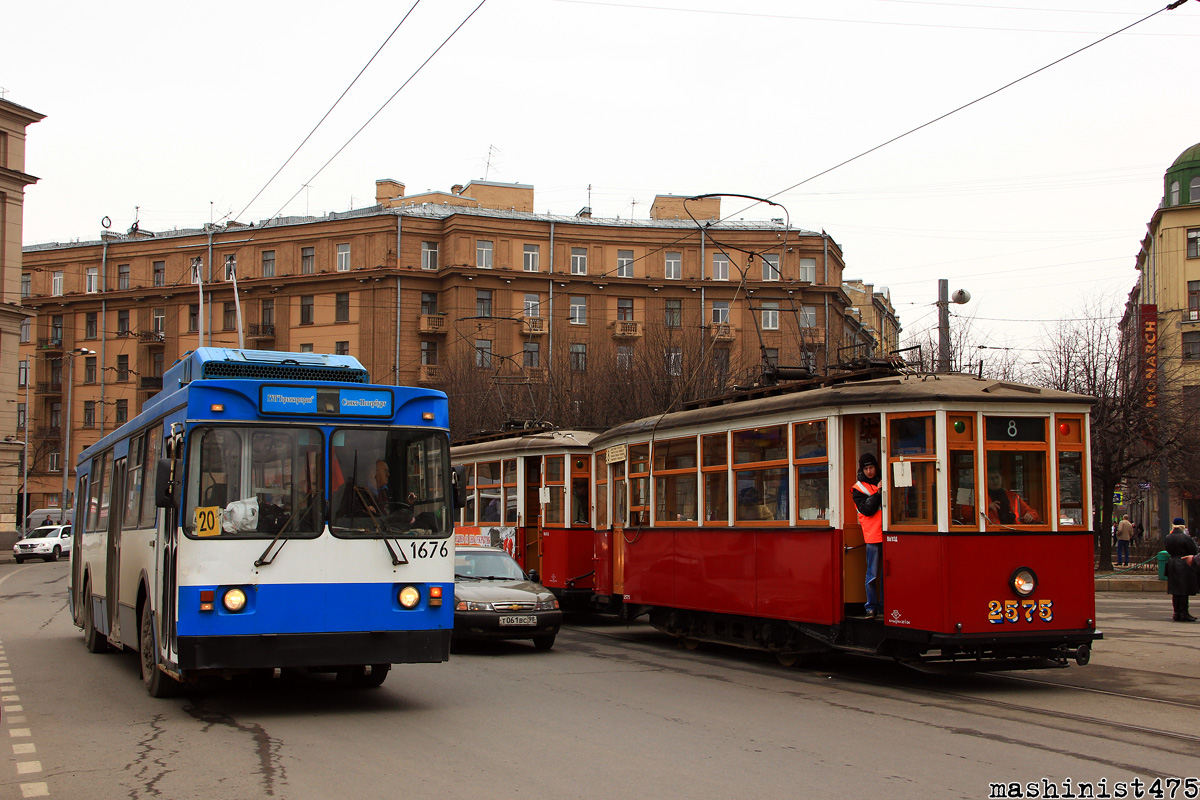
(42, 533)
(486, 564)
(389, 482)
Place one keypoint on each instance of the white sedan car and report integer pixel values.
(47, 543)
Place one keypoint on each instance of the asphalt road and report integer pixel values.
(614, 711)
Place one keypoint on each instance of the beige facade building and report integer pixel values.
(513, 313)
(14, 119)
(874, 309)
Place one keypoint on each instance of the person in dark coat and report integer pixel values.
(1182, 580)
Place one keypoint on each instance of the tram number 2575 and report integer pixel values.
(1001, 611)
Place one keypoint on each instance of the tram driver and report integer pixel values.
(1006, 506)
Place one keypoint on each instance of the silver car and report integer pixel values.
(47, 543)
(495, 599)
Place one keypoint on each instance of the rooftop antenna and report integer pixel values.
(488, 164)
(589, 195)
(633, 208)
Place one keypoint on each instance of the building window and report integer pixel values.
(56, 283)
(770, 316)
(1193, 245)
(193, 318)
(52, 461)
(230, 267)
(533, 305)
(20, 416)
(306, 347)
(578, 357)
(770, 267)
(720, 267)
(268, 263)
(483, 254)
(160, 273)
(578, 310)
(429, 303)
(721, 363)
(56, 414)
(483, 352)
(624, 357)
(90, 324)
(306, 309)
(308, 260)
(266, 312)
(229, 317)
(22, 372)
(89, 413)
(674, 315)
(624, 263)
(1174, 194)
(93, 280)
(56, 328)
(532, 258)
(1194, 190)
(1193, 312)
(26, 329)
(26, 286)
(808, 270)
(673, 266)
(674, 360)
(808, 316)
(156, 364)
(158, 320)
(720, 312)
(89, 369)
(483, 302)
(429, 255)
(341, 348)
(343, 258)
(122, 368)
(625, 309)
(579, 261)
(532, 356)
(122, 412)
(1191, 346)
(429, 353)
(122, 276)
(123, 322)
(341, 307)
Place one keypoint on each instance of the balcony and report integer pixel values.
(262, 330)
(627, 329)
(152, 383)
(533, 326)
(47, 432)
(50, 343)
(429, 373)
(536, 374)
(812, 335)
(151, 337)
(723, 332)
(49, 387)
(431, 323)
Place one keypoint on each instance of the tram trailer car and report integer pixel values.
(530, 493)
(267, 511)
(734, 523)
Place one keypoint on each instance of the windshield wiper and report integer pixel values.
(458, 575)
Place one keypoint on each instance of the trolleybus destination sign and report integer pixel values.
(322, 400)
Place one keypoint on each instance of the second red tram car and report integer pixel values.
(734, 523)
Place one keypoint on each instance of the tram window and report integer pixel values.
(639, 484)
(762, 494)
(715, 448)
(910, 436)
(600, 464)
(555, 512)
(510, 491)
(811, 440)
(716, 497)
(760, 444)
(962, 488)
(469, 508)
(913, 499)
(811, 454)
(580, 512)
(620, 498)
(675, 481)
(491, 497)
(1070, 488)
(675, 454)
(1016, 493)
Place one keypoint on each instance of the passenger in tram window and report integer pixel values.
(1006, 506)
(751, 505)
(868, 499)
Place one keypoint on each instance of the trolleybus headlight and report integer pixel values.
(234, 600)
(1023, 581)
(409, 597)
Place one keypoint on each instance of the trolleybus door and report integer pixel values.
(112, 562)
(75, 596)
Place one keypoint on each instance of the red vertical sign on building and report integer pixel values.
(1149, 354)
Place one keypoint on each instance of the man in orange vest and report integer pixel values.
(868, 498)
(1006, 506)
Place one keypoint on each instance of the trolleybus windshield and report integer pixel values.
(389, 482)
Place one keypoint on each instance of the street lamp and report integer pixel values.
(62, 503)
(944, 300)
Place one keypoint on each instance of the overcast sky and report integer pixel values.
(1034, 200)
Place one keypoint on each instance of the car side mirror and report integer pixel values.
(458, 483)
(534, 576)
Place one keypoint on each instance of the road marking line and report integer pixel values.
(10, 698)
(24, 748)
(14, 709)
(16, 719)
(18, 733)
(35, 790)
(26, 767)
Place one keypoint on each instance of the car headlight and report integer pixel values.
(466, 605)
(1023, 581)
(234, 600)
(548, 605)
(409, 597)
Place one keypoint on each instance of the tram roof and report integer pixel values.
(893, 392)
(525, 442)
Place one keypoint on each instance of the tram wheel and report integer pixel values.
(157, 682)
(690, 644)
(93, 640)
(787, 659)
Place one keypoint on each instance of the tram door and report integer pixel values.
(531, 533)
(860, 434)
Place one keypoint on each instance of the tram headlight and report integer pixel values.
(1023, 581)
(234, 600)
(409, 597)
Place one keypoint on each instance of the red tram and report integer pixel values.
(733, 522)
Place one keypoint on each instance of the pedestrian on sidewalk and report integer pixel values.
(1124, 537)
(1182, 581)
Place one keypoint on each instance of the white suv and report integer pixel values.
(47, 542)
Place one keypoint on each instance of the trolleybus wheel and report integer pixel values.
(364, 676)
(157, 682)
(543, 642)
(93, 640)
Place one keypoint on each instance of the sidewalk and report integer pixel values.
(1129, 582)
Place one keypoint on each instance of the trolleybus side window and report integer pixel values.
(714, 466)
(93, 504)
(105, 494)
(1016, 449)
(554, 482)
(387, 482)
(960, 438)
(134, 477)
(601, 467)
(149, 510)
(1071, 466)
(639, 484)
(811, 455)
(761, 473)
(912, 471)
(675, 465)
